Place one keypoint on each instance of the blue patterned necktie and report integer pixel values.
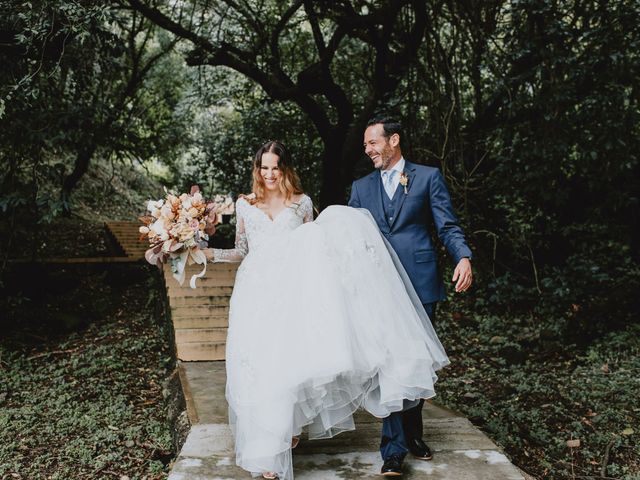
(387, 182)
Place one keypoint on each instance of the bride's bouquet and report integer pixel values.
(178, 228)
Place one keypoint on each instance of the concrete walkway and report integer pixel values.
(461, 452)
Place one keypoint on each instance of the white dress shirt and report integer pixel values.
(399, 167)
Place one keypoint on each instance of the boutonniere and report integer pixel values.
(404, 181)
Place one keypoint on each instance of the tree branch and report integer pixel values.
(160, 19)
(315, 28)
(275, 36)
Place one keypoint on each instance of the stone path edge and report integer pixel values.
(192, 413)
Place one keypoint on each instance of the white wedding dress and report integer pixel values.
(322, 321)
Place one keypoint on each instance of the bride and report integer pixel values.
(323, 320)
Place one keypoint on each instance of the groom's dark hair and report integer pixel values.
(390, 125)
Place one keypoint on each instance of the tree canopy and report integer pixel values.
(530, 109)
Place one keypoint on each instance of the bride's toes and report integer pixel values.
(294, 442)
(270, 475)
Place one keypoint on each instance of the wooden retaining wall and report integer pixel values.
(200, 316)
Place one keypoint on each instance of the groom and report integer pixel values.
(408, 201)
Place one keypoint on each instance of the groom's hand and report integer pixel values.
(462, 275)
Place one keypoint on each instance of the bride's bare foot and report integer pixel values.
(272, 475)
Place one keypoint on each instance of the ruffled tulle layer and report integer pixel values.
(323, 320)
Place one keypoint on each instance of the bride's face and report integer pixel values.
(269, 171)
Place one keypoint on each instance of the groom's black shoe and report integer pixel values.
(392, 466)
(419, 449)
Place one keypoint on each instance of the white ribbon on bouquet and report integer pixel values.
(180, 261)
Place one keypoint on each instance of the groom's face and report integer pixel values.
(378, 147)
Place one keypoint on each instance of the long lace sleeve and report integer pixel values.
(231, 255)
(307, 209)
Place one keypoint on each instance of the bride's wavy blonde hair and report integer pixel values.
(289, 183)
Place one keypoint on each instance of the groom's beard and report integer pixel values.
(385, 156)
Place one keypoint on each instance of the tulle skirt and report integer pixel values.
(323, 320)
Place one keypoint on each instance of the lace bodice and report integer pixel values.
(254, 226)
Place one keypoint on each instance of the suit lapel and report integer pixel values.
(409, 171)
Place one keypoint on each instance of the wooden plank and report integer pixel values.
(211, 267)
(127, 236)
(204, 351)
(201, 322)
(199, 335)
(199, 300)
(204, 282)
(200, 291)
(211, 272)
(131, 233)
(199, 311)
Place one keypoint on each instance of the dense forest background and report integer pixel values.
(531, 109)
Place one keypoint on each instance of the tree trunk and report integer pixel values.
(332, 188)
(80, 167)
(341, 152)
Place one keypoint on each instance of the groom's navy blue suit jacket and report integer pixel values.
(425, 206)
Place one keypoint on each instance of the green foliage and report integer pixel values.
(81, 80)
(530, 109)
(532, 393)
(230, 125)
(83, 402)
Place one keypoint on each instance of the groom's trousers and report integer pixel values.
(407, 424)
